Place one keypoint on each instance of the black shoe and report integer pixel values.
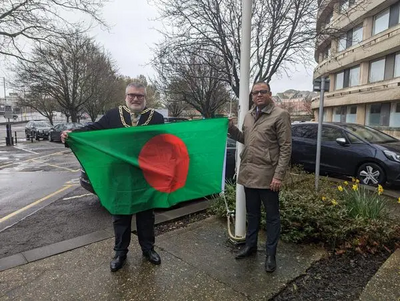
(270, 264)
(152, 256)
(246, 252)
(117, 263)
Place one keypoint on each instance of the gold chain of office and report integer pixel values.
(121, 114)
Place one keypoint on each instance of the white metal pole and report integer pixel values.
(240, 221)
(319, 135)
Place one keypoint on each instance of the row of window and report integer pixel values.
(384, 68)
(384, 20)
(378, 114)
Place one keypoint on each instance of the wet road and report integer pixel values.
(32, 175)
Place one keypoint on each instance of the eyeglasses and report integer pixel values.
(254, 93)
(138, 96)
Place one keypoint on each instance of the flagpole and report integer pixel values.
(240, 220)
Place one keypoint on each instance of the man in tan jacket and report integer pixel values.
(267, 139)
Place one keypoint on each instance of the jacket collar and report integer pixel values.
(267, 109)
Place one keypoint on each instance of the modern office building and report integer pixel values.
(361, 58)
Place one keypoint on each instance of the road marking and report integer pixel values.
(27, 160)
(34, 203)
(26, 150)
(77, 196)
(52, 165)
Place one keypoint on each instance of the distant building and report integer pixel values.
(297, 103)
(362, 62)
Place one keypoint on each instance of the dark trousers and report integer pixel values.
(270, 199)
(122, 231)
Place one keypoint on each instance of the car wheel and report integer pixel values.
(371, 174)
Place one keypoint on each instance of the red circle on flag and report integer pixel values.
(164, 160)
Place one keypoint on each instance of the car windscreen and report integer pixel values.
(71, 126)
(41, 124)
(369, 134)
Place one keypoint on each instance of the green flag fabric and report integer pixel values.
(155, 166)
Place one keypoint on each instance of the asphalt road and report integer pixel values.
(41, 201)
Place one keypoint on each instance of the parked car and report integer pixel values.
(348, 149)
(229, 167)
(37, 129)
(55, 131)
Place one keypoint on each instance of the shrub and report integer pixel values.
(347, 220)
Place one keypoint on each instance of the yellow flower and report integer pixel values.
(380, 189)
(324, 198)
(334, 203)
(398, 200)
(353, 179)
(355, 187)
(340, 188)
(357, 181)
(346, 183)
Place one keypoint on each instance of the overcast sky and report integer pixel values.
(133, 34)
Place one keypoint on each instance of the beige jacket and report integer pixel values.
(267, 146)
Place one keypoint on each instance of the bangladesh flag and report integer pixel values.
(155, 166)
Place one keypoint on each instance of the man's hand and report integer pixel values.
(275, 184)
(230, 121)
(64, 135)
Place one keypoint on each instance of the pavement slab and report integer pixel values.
(197, 264)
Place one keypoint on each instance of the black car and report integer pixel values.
(174, 119)
(348, 149)
(229, 166)
(37, 129)
(55, 131)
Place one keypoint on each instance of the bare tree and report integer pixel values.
(25, 22)
(189, 78)
(283, 33)
(40, 102)
(71, 70)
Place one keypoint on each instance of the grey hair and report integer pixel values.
(137, 86)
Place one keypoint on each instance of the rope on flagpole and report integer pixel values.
(230, 215)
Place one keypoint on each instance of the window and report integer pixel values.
(385, 68)
(330, 133)
(395, 115)
(344, 5)
(342, 43)
(378, 114)
(357, 35)
(350, 38)
(339, 81)
(386, 19)
(308, 131)
(351, 114)
(327, 52)
(339, 114)
(381, 22)
(397, 65)
(377, 71)
(347, 78)
(354, 77)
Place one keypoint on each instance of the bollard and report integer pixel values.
(15, 133)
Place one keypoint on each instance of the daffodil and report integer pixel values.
(346, 183)
(357, 181)
(353, 179)
(334, 203)
(355, 187)
(398, 200)
(380, 189)
(324, 198)
(340, 188)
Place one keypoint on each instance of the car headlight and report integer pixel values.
(392, 155)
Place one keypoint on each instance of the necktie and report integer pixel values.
(135, 118)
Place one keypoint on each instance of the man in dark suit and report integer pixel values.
(134, 113)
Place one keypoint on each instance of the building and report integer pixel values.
(362, 61)
(297, 103)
